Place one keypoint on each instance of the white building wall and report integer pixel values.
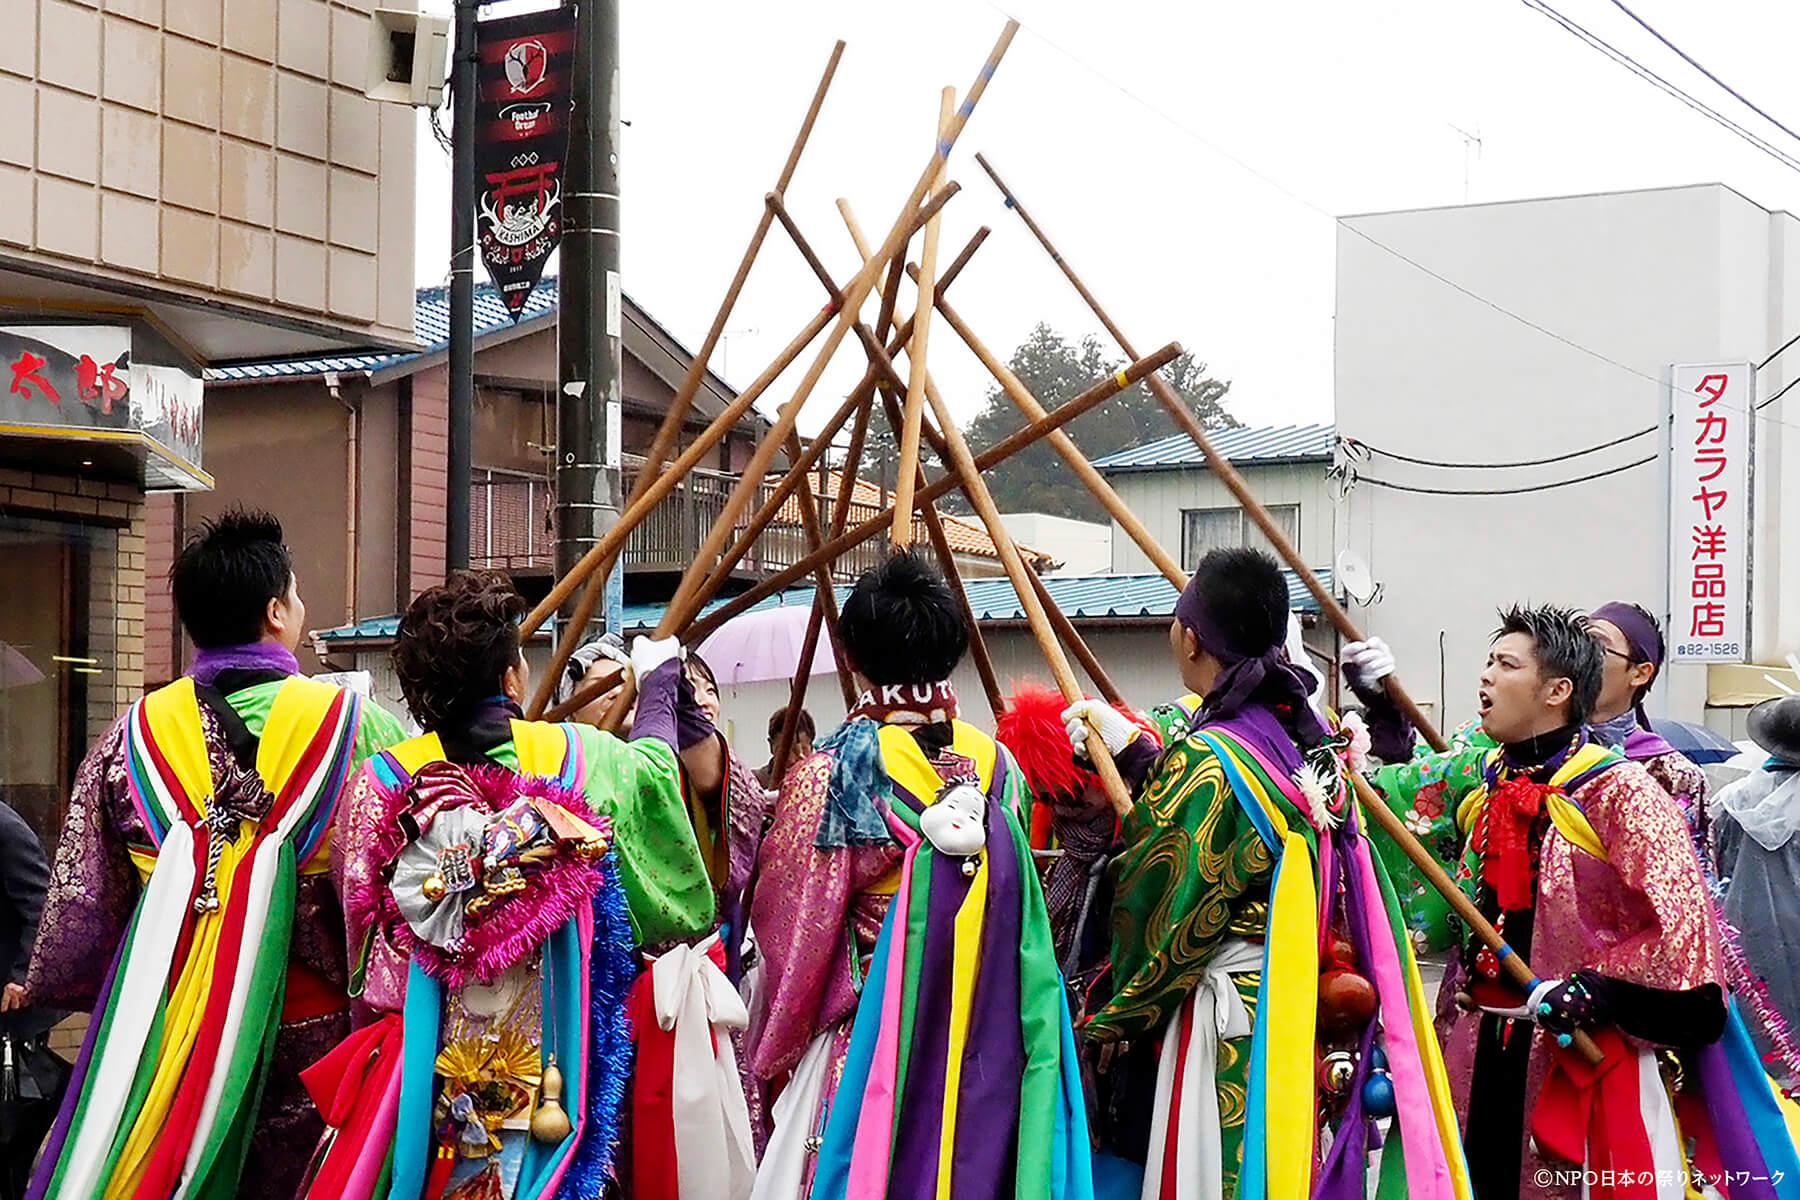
(1157, 498)
(1635, 281)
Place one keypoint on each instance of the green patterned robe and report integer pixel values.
(1424, 793)
(1194, 872)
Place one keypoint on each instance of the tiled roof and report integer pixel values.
(1243, 445)
(964, 534)
(431, 324)
(1081, 597)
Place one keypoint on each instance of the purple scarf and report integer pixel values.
(211, 661)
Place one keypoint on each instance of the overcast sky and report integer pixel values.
(1189, 158)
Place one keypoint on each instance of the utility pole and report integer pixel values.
(462, 287)
(590, 312)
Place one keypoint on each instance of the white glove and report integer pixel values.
(647, 654)
(1115, 730)
(1371, 660)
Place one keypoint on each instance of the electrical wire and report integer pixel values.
(1694, 63)
(1495, 466)
(1353, 478)
(1637, 68)
(1275, 184)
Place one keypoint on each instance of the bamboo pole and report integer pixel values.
(860, 394)
(973, 487)
(891, 383)
(1065, 446)
(1226, 472)
(1517, 967)
(1071, 637)
(669, 433)
(824, 598)
(613, 540)
(906, 480)
(690, 596)
(1059, 621)
(840, 517)
(999, 452)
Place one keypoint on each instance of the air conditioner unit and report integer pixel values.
(408, 58)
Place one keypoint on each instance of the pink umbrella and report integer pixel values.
(18, 671)
(764, 644)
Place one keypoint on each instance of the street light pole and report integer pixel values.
(462, 288)
(590, 313)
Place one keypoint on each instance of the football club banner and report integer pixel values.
(521, 139)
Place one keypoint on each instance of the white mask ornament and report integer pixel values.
(956, 824)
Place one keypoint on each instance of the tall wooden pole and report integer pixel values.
(914, 408)
(1066, 448)
(1227, 474)
(689, 595)
(669, 433)
(840, 517)
(998, 453)
(612, 543)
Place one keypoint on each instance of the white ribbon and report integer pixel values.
(713, 1152)
(1218, 1013)
(795, 1116)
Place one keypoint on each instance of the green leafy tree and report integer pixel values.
(1055, 371)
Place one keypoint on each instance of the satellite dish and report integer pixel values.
(1357, 580)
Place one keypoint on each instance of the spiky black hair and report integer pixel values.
(226, 574)
(1565, 649)
(901, 623)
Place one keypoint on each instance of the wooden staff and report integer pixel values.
(1517, 967)
(1227, 474)
(999, 452)
(669, 433)
(906, 480)
(973, 487)
(613, 541)
(825, 598)
(1065, 446)
(840, 517)
(772, 506)
(1071, 637)
(881, 364)
(690, 595)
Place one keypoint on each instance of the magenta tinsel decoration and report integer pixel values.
(519, 923)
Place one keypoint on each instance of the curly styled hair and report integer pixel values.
(455, 642)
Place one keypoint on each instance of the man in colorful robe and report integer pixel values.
(190, 907)
(1580, 859)
(461, 670)
(1425, 788)
(910, 999)
(1219, 1006)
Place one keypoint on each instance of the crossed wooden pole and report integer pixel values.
(1370, 800)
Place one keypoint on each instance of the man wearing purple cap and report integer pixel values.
(1633, 644)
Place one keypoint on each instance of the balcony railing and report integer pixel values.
(512, 525)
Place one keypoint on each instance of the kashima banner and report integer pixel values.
(1709, 524)
(521, 138)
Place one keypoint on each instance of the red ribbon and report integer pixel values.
(1593, 1115)
(1506, 858)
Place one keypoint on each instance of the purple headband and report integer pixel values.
(1640, 634)
(1245, 670)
